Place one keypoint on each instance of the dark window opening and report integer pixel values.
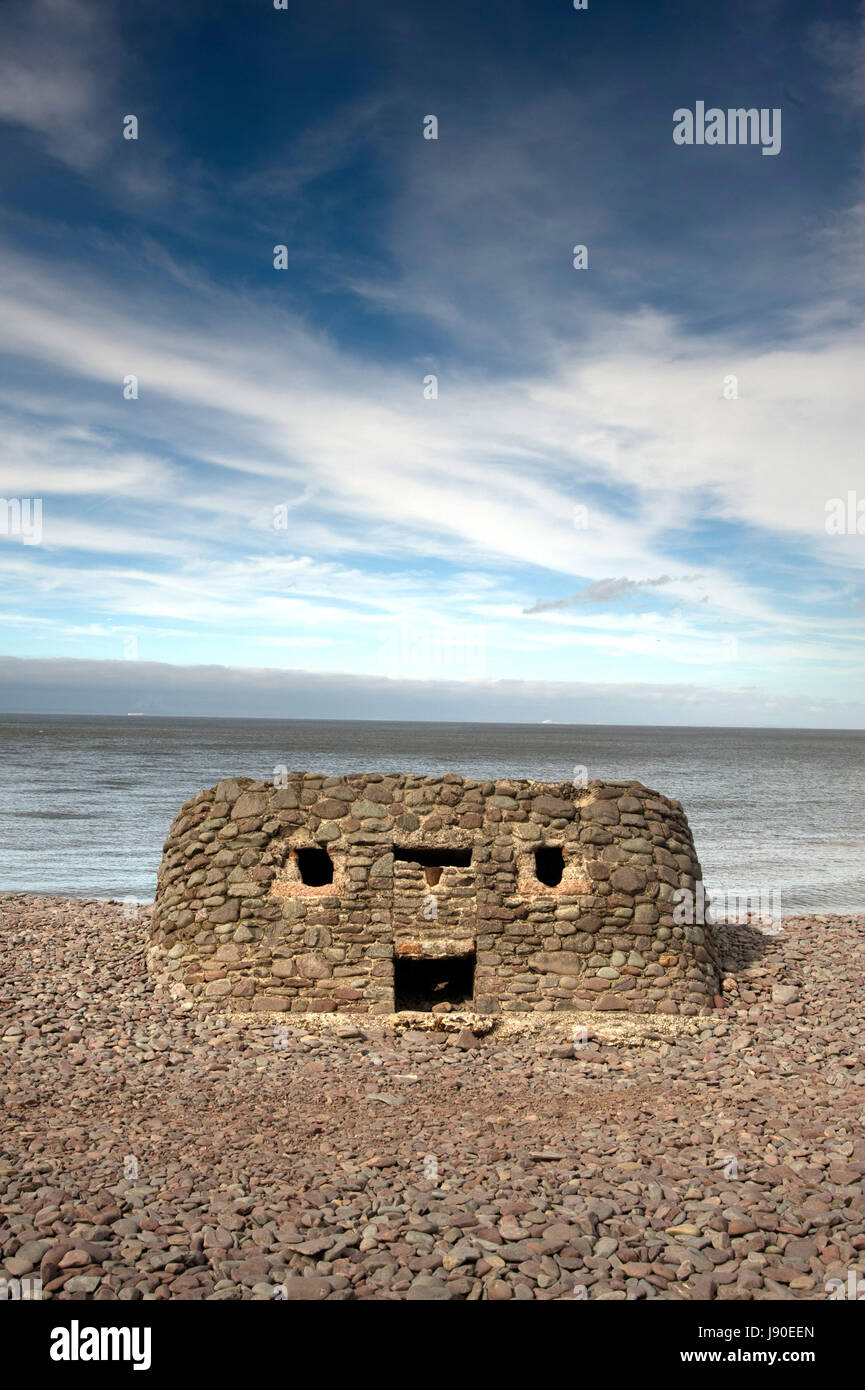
(549, 865)
(432, 861)
(435, 858)
(316, 866)
(418, 984)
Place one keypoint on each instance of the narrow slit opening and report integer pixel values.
(434, 858)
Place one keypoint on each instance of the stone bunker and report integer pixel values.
(374, 894)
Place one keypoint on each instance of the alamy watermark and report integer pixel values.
(25, 1290)
(409, 649)
(77, 1343)
(854, 1289)
(22, 516)
(846, 516)
(737, 905)
(739, 126)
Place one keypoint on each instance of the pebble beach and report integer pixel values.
(157, 1148)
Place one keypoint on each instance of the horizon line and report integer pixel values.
(481, 723)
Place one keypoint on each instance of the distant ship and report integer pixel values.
(136, 714)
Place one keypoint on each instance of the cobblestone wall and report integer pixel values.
(235, 920)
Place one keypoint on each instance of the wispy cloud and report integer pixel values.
(55, 67)
(604, 591)
(654, 441)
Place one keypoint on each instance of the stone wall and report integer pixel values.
(235, 921)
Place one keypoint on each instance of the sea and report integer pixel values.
(776, 814)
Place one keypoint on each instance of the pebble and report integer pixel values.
(157, 1149)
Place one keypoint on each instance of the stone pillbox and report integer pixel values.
(367, 894)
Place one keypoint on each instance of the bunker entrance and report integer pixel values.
(419, 984)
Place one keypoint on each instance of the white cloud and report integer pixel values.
(54, 69)
(160, 689)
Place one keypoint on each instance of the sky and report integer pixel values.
(419, 462)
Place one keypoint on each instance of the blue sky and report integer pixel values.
(581, 525)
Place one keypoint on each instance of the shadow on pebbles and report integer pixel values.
(152, 1149)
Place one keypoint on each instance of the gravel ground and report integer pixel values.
(152, 1149)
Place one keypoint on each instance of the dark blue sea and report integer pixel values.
(85, 803)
